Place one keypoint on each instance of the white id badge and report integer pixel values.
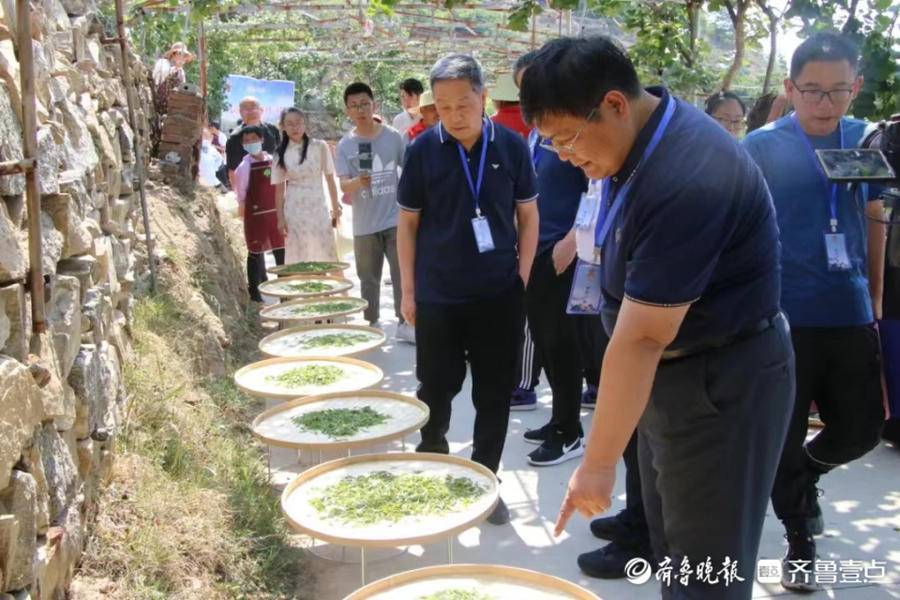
(585, 213)
(483, 236)
(836, 251)
(585, 297)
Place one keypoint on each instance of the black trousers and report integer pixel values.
(486, 334)
(840, 369)
(256, 270)
(555, 340)
(528, 362)
(592, 341)
(709, 443)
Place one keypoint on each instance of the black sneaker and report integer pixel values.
(614, 529)
(799, 563)
(500, 514)
(436, 446)
(539, 435)
(555, 451)
(589, 397)
(609, 561)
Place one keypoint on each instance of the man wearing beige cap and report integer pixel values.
(505, 96)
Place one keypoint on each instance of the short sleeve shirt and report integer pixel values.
(375, 208)
(449, 268)
(697, 227)
(234, 147)
(560, 186)
(811, 294)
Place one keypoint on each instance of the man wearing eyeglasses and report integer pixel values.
(831, 304)
(368, 160)
(681, 261)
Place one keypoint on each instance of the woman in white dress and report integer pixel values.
(303, 212)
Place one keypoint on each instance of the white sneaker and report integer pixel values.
(406, 333)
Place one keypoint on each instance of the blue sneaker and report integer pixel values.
(523, 399)
(589, 397)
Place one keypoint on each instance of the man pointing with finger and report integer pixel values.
(685, 267)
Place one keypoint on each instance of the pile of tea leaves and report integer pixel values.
(457, 594)
(382, 496)
(307, 375)
(308, 287)
(334, 340)
(309, 267)
(323, 308)
(339, 423)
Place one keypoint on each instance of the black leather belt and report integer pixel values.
(754, 329)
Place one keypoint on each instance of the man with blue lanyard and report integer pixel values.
(699, 357)
(466, 238)
(832, 268)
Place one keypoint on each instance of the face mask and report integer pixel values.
(254, 148)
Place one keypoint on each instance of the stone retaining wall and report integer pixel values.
(61, 392)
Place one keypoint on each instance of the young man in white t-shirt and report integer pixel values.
(410, 91)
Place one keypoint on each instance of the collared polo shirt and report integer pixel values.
(813, 296)
(697, 227)
(449, 267)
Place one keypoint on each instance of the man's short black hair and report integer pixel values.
(253, 130)
(824, 47)
(412, 87)
(570, 76)
(525, 61)
(358, 87)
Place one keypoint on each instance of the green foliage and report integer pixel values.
(339, 423)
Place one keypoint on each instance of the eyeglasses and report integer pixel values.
(730, 123)
(838, 96)
(570, 147)
(364, 106)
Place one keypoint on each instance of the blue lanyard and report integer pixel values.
(534, 140)
(606, 217)
(831, 187)
(475, 187)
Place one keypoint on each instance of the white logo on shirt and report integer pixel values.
(496, 166)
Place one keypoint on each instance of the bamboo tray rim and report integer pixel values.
(345, 285)
(363, 305)
(305, 328)
(340, 444)
(514, 574)
(406, 540)
(338, 267)
(300, 359)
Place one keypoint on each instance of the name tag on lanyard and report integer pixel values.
(484, 240)
(586, 294)
(836, 255)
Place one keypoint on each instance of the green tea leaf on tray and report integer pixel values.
(309, 267)
(323, 308)
(340, 422)
(308, 287)
(382, 496)
(307, 375)
(338, 340)
(457, 594)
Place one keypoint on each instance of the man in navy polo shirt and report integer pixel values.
(831, 307)
(466, 238)
(699, 357)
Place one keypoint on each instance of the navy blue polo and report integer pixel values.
(698, 227)
(449, 267)
(560, 186)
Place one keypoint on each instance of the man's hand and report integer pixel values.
(365, 179)
(408, 308)
(282, 226)
(589, 492)
(564, 252)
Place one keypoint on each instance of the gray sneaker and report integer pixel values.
(406, 333)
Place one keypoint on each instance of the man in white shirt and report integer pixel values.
(410, 91)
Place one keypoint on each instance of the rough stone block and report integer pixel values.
(59, 469)
(64, 320)
(14, 304)
(20, 499)
(13, 255)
